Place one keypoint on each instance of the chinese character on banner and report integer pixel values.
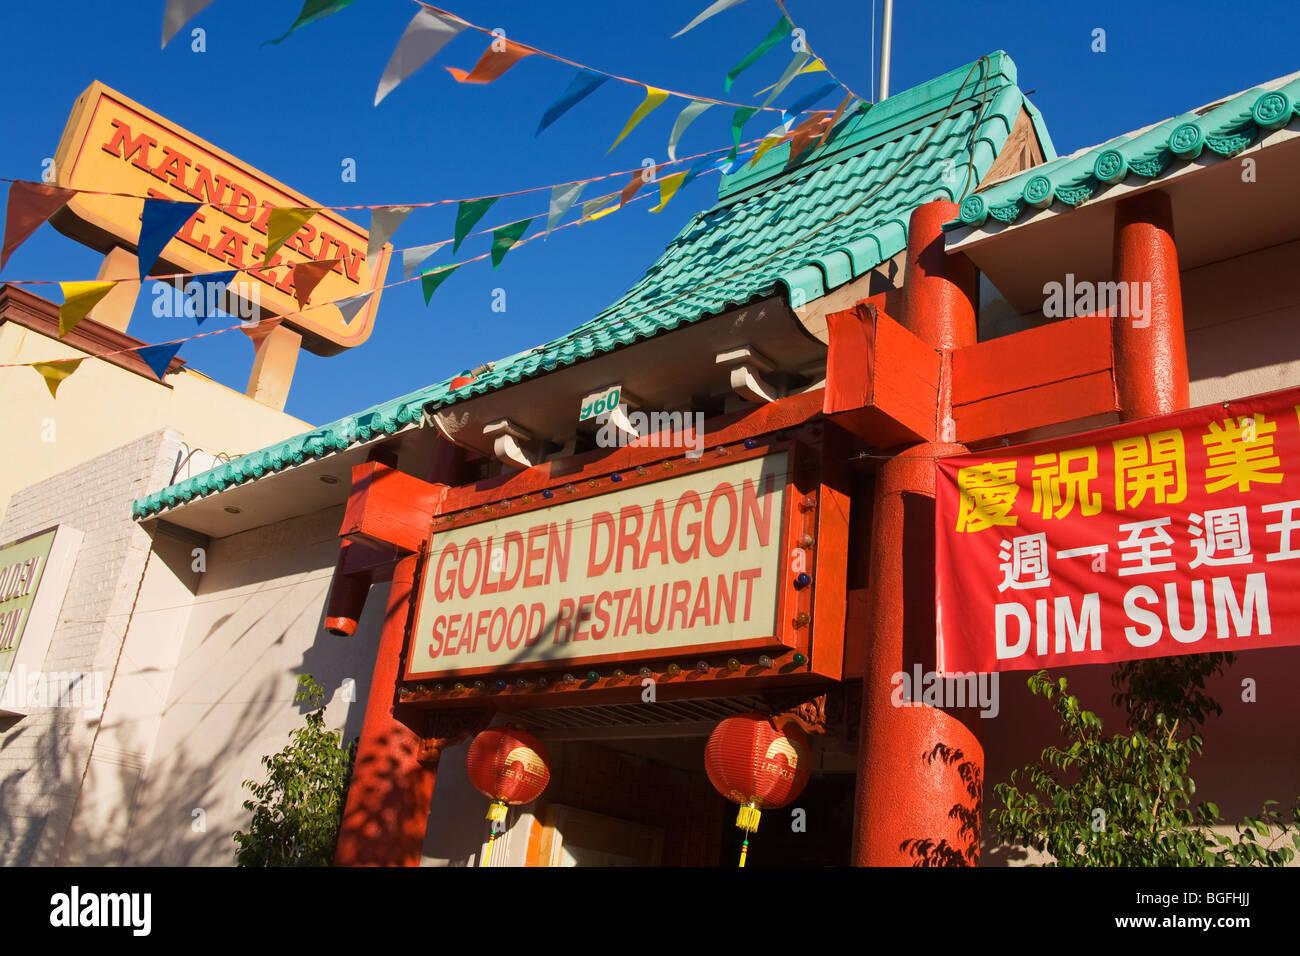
(1241, 452)
(1024, 562)
(988, 492)
(1224, 539)
(1155, 463)
(1284, 527)
(1061, 479)
(1145, 547)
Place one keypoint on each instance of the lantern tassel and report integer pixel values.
(747, 819)
(487, 854)
(744, 851)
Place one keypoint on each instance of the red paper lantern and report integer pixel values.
(753, 762)
(508, 766)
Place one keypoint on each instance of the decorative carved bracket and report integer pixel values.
(440, 729)
(805, 708)
(508, 441)
(747, 367)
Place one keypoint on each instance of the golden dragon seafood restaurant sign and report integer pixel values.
(684, 562)
(1171, 535)
(114, 145)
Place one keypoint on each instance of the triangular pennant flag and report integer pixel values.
(816, 66)
(30, 204)
(55, 372)
(562, 199)
(351, 306)
(179, 13)
(78, 299)
(583, 85)
(636, 182)
(307, 276)
(425, 36)
(506, 238)
(383, 223)
(312, 10)
(653, 100)
(831, 126)
(259, 329)
(801, 137)
(807, 100)
(774, 138)
(591, 206)
(782, 29)
(492, 63)
(283, 223)
(208, 297)
(738, 121)
(414, 257)
(791, 71)
(430, 281)
(468, 213)
(158, 357)
(668, 187)
(159, 222)
(684, 119)
(712, 9)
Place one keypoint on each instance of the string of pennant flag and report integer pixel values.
(431, 29)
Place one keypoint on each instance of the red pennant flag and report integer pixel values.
(30, 204)
(307, 275)
(260, 330)
(636, 182)
(493, 63)
(801, 136)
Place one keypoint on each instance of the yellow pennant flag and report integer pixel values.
(816, 66)
(284, 222)
(78, 299)
(654, 98)
(604, 212)
(668, 187)
(763, 147)
(55, 372)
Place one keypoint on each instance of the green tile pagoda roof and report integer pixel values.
(1225, 130)
(838, 212)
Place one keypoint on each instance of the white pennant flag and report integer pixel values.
(684, 119)
(352, 305)
(714, 9)
(177, 14)
(412, 259)
(562, 198)
(426, 34)
(383, 223)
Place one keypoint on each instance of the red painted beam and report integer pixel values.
(389, 508)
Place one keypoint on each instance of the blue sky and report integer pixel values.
(297, 110)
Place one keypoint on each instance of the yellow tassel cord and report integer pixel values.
(497, 810)
(747, 820)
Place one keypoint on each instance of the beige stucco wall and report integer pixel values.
(102, 406)
(255, 624)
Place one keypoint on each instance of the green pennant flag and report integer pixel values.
(505, 238)
(468, 213)
(313, 10)
(738, 121)
(429, 281)
(782, 29)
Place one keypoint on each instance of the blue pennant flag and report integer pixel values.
(161, 220)
(808, 99)
(582, 86)
(209, 294)
(158, 357)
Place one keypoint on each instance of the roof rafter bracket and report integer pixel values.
(508, 443)
(747, 367)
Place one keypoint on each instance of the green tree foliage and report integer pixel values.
(299, 806)
(1125, 799)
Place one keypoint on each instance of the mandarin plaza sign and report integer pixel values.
(114, 145)
(693, 561)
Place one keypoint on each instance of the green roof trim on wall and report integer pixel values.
(839, 212)
(1224, 130)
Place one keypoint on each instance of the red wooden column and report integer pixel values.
(387, 808)
(1150, 350)
(910, 758)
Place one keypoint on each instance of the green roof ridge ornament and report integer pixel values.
(973, 210)
(1187, 140)
(1111, 166)
(1272, 110)
(1038, 191)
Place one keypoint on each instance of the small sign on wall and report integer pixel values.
(600, 402)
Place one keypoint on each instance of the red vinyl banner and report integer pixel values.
(1170, 535)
